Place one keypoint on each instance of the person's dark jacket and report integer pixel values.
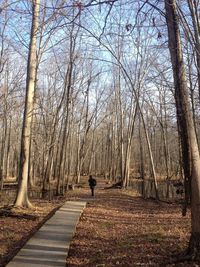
(92, 182)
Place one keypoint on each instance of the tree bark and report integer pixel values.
(130, 132)
(190, 151)
(193, 6)
(22, 194)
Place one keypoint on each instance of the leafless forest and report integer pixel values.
(109, 88)
(94, 87)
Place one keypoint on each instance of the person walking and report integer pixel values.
(92, 183)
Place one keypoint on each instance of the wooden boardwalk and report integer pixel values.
(50, 244)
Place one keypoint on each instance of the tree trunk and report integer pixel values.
(131, 128)
(150, 156)
(2, 154)
(7, 155)
(193, 6)
(187, 133)
(22, 194)
(142, 165)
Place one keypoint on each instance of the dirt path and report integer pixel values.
(119, 228)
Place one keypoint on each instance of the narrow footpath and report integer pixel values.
(50, 244)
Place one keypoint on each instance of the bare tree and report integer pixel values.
(189, 144)
(22, 195)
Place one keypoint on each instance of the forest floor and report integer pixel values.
(17, 225)
(117, 228)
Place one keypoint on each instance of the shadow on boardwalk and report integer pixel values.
(119, 228)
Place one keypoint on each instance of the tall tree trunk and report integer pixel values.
(4, 131)
(131, 128)
(193, 6)
(68, 88)
(3, 148)
(189, 144)
(142, 165)
(7, 156)
(150, 156)
(22, 194)
(120, 125)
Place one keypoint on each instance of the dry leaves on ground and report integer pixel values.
(120, 229)
(117, 228)
(17, 225)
